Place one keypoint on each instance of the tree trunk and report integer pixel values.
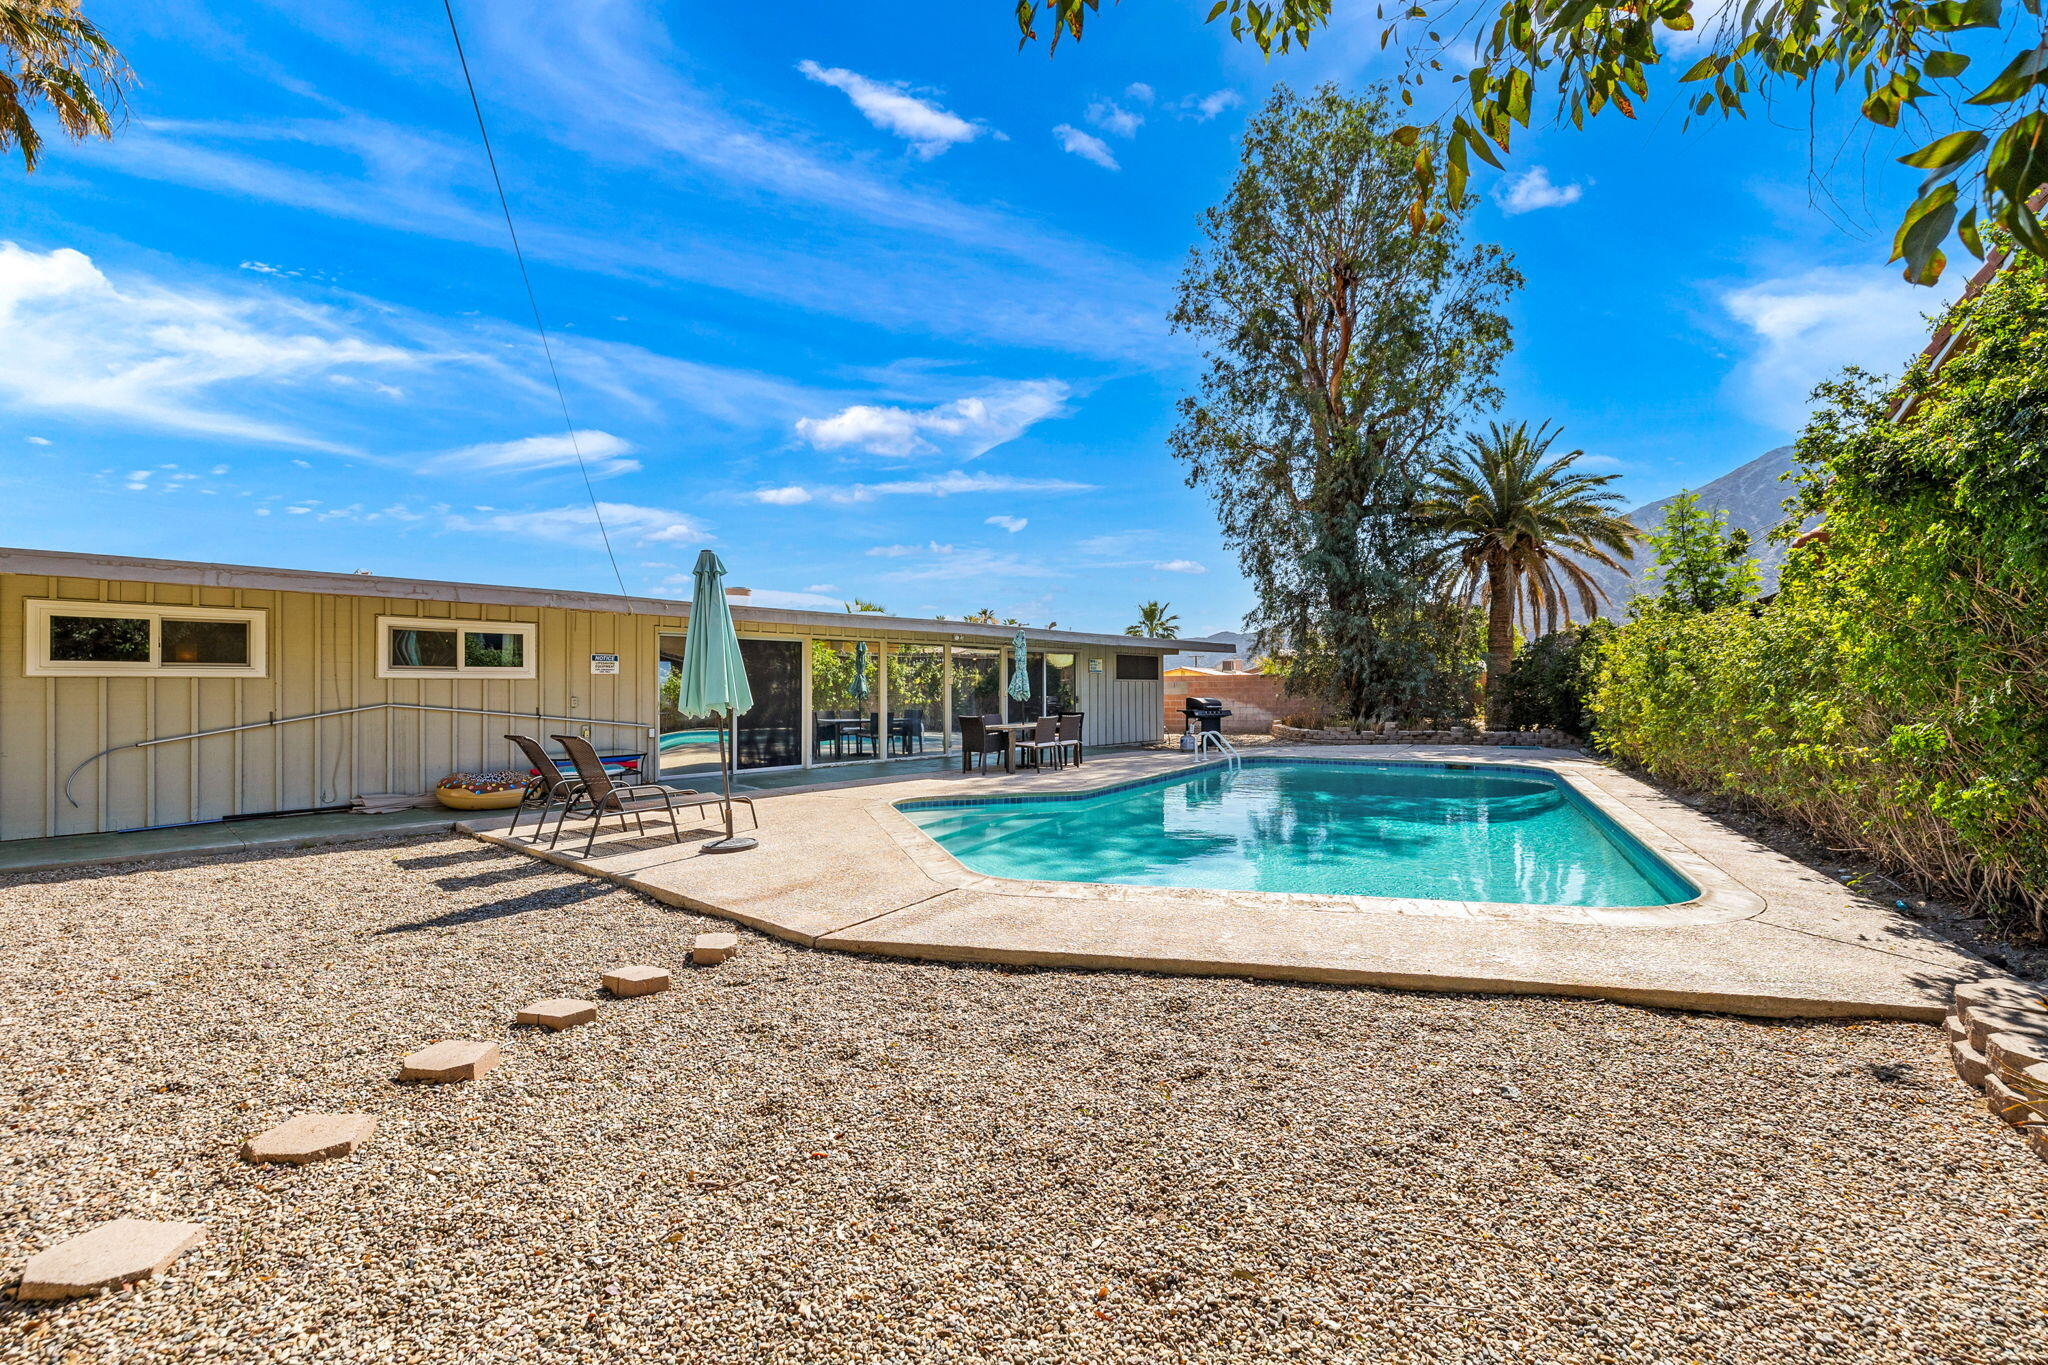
(1500, 638)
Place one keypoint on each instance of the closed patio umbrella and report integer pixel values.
(1020, 671)
(714, 677)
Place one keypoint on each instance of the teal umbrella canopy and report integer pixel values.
(714, 678)
(859, 686)
(1020, 671)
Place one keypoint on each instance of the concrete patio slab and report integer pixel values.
(841, 868)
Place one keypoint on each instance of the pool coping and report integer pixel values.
(839, 869)
(1722, 897)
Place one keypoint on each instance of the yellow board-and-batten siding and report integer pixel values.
(322, 655)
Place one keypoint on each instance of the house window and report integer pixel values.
(1137, 668)
(109, 639)
(414, 648)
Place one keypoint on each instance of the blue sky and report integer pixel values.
(872, 308)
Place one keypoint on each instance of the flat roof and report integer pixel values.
(122, 568)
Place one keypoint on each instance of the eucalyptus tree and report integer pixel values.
(1344, 346)
(53, 57)
(1519, 525)
(1966, 80)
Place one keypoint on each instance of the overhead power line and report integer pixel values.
(532, 299)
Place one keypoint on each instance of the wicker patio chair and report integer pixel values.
(1045, 739)
(977, 740)
(1070, 735)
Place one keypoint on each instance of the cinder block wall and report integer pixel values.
(1255, 701)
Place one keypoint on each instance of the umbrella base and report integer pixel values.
(736, 844)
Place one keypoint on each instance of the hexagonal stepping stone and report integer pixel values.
(708, 950)
(305, 1138)
(452, 1059)
(558, 1014)
(110, 1255)
(636, 978)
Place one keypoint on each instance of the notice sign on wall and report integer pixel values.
(604, 663)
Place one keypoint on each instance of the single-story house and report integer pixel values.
(137, 693)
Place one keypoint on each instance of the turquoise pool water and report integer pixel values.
(1418, 831)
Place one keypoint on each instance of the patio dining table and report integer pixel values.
(1009, 730)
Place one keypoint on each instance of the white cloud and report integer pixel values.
(1114, 119)
(1202, 108)
(1179, 566)
(1072, 139)
(161, 357)
(603, 455)
(1011, 524)
(1806, 327)
(899, 551)
(961, 429)
(37, 440)
(787, 496)
(1531, 190)
(576, 525)
(935, 486)
(1139, 92)
(891, 107)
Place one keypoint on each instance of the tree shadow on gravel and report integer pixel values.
(480, 854)
(515, 868)
(551, 898)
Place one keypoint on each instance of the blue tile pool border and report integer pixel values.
(1646, 859)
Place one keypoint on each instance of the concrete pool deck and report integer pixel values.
(839, 868)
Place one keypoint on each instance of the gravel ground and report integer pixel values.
(803, 1156)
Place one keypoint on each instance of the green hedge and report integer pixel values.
(1893, 697)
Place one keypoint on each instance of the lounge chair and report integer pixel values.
(549, 785)
(599, 795)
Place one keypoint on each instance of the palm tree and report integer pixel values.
(1155, 622)
(1518, 523)
(862, 604)
(52, 54)
(986, 617)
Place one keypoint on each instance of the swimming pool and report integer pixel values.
(1418, 831)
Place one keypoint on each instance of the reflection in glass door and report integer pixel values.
(846, 700)
(1053, 681)
(977, 683)
(767, 735)
(916, 680)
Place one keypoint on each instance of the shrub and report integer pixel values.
(1893, 697)
(1551, 681)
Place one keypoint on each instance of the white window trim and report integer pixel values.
(526, 630)
(39, 664)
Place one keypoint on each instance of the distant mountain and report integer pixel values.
(1235, 637)
(1752, 496)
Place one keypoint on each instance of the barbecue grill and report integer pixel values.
(1204, 714)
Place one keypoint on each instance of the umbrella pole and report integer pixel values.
(731, 843)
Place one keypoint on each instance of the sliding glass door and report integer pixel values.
(846, 700)
(915, 682)
(767, 735)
